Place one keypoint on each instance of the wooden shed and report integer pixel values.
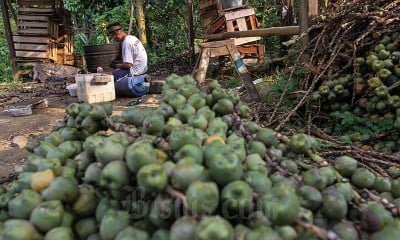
(43, 34)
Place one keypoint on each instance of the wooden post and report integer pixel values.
(8, 33)
(190, 31)
(303, 27)
(273, 31)
(312, 10)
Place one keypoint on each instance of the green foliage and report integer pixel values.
(360, 129)
(5, 64)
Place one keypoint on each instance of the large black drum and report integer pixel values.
(102, 56)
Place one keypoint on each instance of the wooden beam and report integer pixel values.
(261, 32)
(7, 28)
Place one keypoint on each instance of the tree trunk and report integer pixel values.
(141, 21)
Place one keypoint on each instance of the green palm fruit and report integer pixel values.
(140, 154)
(259, 182)
(377, 65)
(262, 233)
(394, 101)
(161, 234)
(310, 197)
(243, 110)
(72, 109)
(370, 59)
(23, 182)
(181, 136)
(379, 47)
(162, 211)
(184, 228)
(217, 126)
(396, 70)
(323, 90)
(92, 174)
(54, 138)
(47, 215)
(334, 205)
(281, 205)
(198, 121)
(240, 231)
(214, 84)
(389, 232)
(61, 188)
(171, 124)
(197, 101)
(286, 232)
(191, 151)
(225, 168)
(185, 172)
(165, 110)
(216, 228)
(206, 112)
(43, 149)
(115, 175)
(363, 178)
(109, 151)
(214, 148)
(328, 173)
(395, 56)
(385, 40)
(131, 233)
(314, 178)
(85, 204)
(217, 94)
(315, 96)
(59, 233)
(237, 196)
(18, 229)
(346, 231)
(68, 219)
(185, 111)
(104, 205)
(338, 89)
(152, 178)
(177, 100)
(51, 163)
(383, 54)
(388, 196)
(394, 171)
(91, 143)
(202, 197)
(289, 165)
(113, 222)
(257, 219)
(346, 190)
(57, 153)
(257, 147)
(301, 143)
(267, 136)
(375, 217)
(251, 126)
(187, 90)
(346, 165)
(359, 61)
(388, 64)
(23, 204)
(396, 188)
(153, 124)
(223, 106)
(135, 115)
(90, 125)
(382, 184)
(228, 119)
(174, 81)
(85, 227)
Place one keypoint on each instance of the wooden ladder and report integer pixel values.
(222, 48)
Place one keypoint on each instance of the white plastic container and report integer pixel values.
(72, 89)
(95, 87)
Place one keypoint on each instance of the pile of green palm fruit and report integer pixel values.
(195, 167)
(370, 92)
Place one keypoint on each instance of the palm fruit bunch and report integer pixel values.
(195, 167)
(369, 92)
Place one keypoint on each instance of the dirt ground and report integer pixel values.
(17, 131)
